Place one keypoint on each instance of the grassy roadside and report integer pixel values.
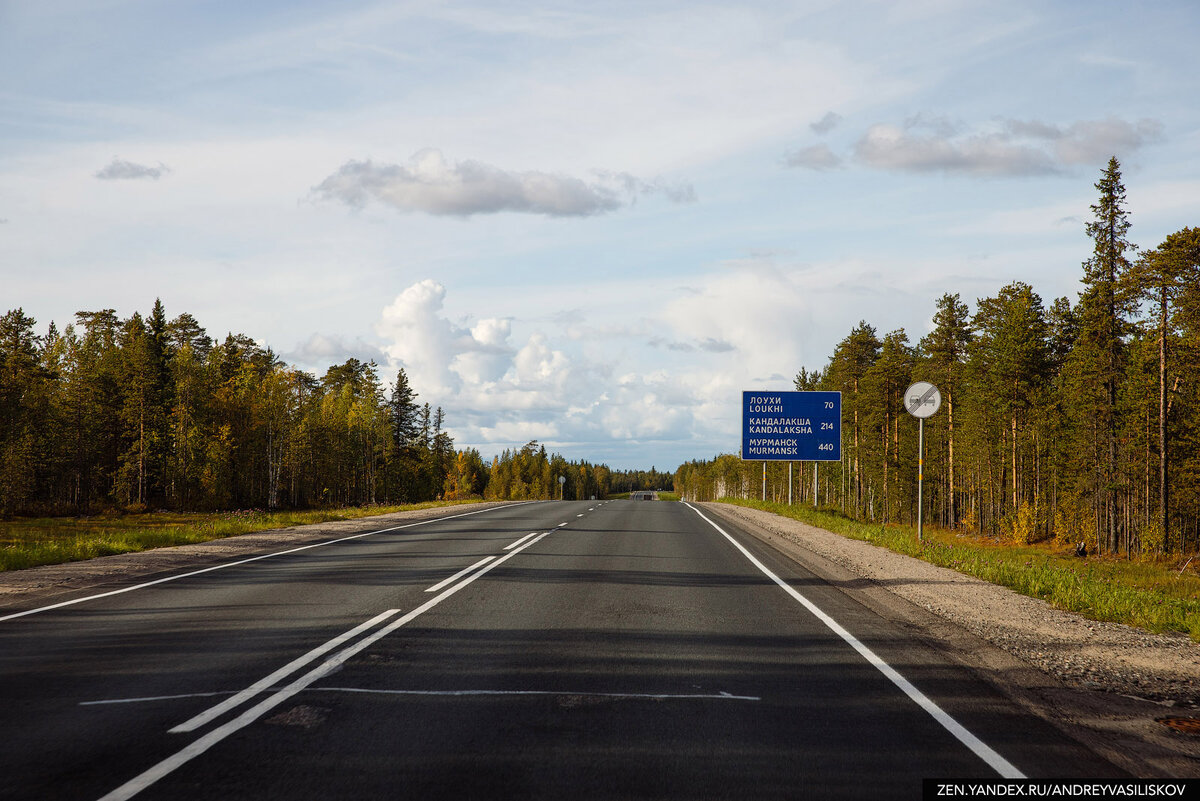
(53, 540)
(1156, 596)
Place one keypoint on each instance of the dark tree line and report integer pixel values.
(1078, 421)
(151, 413)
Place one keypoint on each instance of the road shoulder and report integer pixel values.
(1102, 684)
(22, 589)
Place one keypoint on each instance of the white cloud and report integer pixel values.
(1094, 141)
(753, 314)
(431, 184)
(323, 349)
(121, 170)
(826, 123)
(890, 147)
(1010, 148)
(424, 341)
(816, 157)
(499, 394)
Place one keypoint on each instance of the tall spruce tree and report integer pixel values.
(404, 418)
(403, 412)
(1105, 306)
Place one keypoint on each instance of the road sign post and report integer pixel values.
(791, 426)
(562, 480)
(921, 400)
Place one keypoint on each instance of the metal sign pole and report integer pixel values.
(921, 400)
(789, 483)
(920, 479)
(815, 466)
(764, 482)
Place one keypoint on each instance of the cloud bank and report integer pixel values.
(431, 184)
(1005, 148)
(1010, 148)
(505, 380)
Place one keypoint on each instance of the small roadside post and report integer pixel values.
(562, 480)
(921, 400)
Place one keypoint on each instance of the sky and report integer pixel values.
(589, 224)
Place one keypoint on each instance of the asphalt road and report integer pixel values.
(575, 650)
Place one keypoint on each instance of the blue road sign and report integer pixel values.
(792, 426)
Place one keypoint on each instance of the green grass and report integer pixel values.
(668, 496)
(1153, 595)
(30, 542)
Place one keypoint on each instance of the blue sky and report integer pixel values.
(588, 224)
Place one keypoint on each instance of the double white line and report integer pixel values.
(149, 777)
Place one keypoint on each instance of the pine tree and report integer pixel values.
(1011, 363)
(1162, 276)
(886, 381)
(851, 359)
(945, 349)
(20, 414)
(806, 381)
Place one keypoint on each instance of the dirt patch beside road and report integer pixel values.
(1102, 683)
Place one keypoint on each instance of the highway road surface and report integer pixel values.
(565, 650)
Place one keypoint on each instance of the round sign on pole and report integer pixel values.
(922, 399)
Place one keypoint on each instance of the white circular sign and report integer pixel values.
(922, 399)
(562, 479)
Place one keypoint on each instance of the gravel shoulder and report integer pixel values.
(1103, 684)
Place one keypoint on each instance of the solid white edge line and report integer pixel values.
(460, 574)
(516, 544)
(981, 749)
(171, 763)
(269, 681)
(247, 561)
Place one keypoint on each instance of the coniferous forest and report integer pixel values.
(1074, 421)
(151, 413)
